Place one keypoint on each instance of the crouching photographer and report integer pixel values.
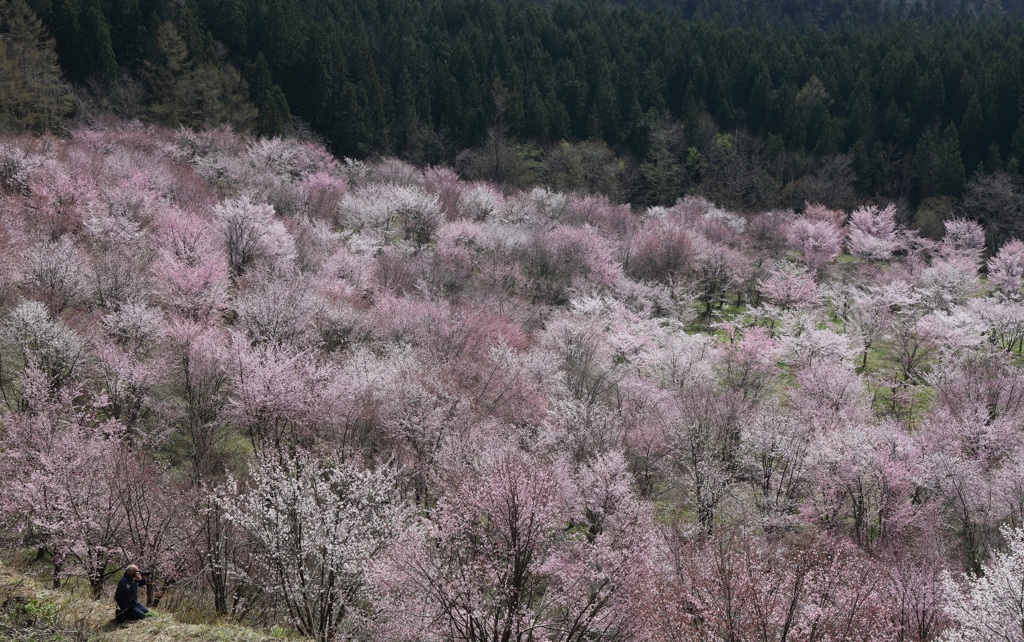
(127, 595)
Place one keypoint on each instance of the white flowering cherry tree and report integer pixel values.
(314, 525)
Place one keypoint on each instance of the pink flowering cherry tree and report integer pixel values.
(789, 286)
(60, 482)
(1006, 269)
(817, 236)
(872, 233)
(963, 238)
(514, 552)
(736, 586)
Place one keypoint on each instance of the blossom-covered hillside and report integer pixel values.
(369, 401)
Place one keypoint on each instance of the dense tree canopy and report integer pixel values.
(379, 402)
(34, 97)
(898, 101)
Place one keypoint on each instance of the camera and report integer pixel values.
(145, 573)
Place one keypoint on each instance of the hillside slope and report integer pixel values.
(29, 611)
(371, 401)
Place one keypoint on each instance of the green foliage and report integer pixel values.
(930, 216)
(182, 92)
(269, 99)
(33, 96)
(663, 176)
(30, 613)
(588, 167)
(97, 46)
(501, 160)
(168, 78)
(917, 99)
(939, 166)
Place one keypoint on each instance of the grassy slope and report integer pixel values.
(29, 612)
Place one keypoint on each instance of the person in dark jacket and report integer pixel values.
(127, 596)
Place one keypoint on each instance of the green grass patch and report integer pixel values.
(32, 612)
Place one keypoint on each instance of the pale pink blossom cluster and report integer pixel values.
(819, 242)
(964, 238)
(371, 401)
(1006, 268)
(872, 232)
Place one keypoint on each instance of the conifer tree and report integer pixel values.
(182, 92)
(271, 104)
(33, 95)
(96, 33)
(167, 77)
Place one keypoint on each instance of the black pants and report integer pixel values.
(137, 612)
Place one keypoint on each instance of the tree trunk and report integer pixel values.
(96, 585)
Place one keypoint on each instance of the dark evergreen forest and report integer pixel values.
(755, 104)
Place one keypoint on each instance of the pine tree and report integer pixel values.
(167, 77)
(33, 95)
(938, 164)
(269, 99)
(97, 46)
(972, 133)
(181, 92)
(1016, 156)
(217, 94)
(405, 119)
(760, 100)
(951, 175)
(663, 176)
(858, 123)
